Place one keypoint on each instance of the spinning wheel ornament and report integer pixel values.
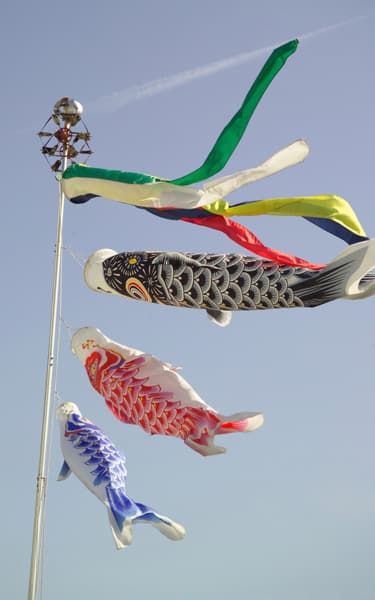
(65, 141)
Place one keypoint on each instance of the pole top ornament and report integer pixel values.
(66, 142)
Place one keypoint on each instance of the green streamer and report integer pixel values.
(83, 171)
(232, 133)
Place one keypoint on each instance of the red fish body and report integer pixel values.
(141, 390)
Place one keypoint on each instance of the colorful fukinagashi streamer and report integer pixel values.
(222, 283)
(176, 200)
(142, 390)
(217, 158)
(207, 208)
(92, 457)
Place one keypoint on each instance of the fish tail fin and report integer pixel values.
(124, 512)
(361, 283)
(172, 530)
(205, 448)
(350, 275)
(122, 539)
(121, 512)
(203, 441)
(240, 422)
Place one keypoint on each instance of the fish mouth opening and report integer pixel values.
(360, 262)
(67, 408)
(366, 280)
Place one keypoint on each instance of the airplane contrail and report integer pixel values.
(117, 100)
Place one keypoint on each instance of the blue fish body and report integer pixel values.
(97, 463)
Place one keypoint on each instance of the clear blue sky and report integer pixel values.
(288, 513)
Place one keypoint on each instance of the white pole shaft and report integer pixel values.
(41, 485)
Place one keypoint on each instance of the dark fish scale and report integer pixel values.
(272, 295)
(214, 295)
(266, 302)
(176, 290)
(234, 292)
(274, 277)
(190, 302)
(244, 282)
(200, 258)
(263, 284)
(256, 275)
(187, 278)
(298, 301)
(248, 304)
(235, 271)
(253, 265)
(208, 303)
(196, 293)
(221, 279)
(271, 268)
(283, 303)
(167, 273)
(289, 296)
(233, 259)
(281, 286)
(214, 260)
(204, 280)
(228, 303)
(288, 271)
(254, 294)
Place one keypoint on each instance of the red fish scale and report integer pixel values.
(133, 401)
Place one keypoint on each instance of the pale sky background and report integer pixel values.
(289, 512)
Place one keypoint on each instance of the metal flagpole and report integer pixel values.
(67, 114)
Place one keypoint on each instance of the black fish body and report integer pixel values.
(222, 283)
